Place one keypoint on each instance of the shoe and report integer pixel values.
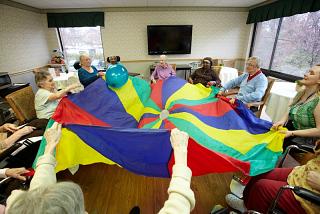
(135, 210)
(237, 188)
(236, 203)
(218, 209)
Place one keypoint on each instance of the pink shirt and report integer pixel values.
(163, 73)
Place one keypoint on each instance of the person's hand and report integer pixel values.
(190, 81)
(10, 127)
(313, 179)
(153, 81)
(25, 130)
(52, 136)
(277, 125)
(179, 143)
(287, 133)
(211, 83)
(16, 173)
(101, 74)
(232, 101)
(221, 93)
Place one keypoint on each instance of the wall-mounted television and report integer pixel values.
(169, 39)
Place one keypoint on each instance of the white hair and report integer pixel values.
(59, 198)
(256, 60)
(163, 57)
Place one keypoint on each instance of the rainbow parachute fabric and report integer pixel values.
(131, 127)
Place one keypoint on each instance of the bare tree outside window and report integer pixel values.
(264, 41)
(298, 43)
(81, 40)
(298, 46)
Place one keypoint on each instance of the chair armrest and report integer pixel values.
(307, 194)
(256, 104)
(306, 148)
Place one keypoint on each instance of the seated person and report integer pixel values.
(253, 84)
(303, 119)
(261, 190)
(45, 195)
(112, 60)
(47, 97)
(87, 73)
(205, 75)
(163, 70)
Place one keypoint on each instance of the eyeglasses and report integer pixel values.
(250, 64)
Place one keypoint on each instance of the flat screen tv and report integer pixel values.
(169, 39)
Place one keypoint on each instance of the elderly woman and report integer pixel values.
(163, 70)
(45, 194)
(303, 119)
(261, 190)
(47, 97)
(87, 73)
(205, 75)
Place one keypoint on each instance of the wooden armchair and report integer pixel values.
(264, 98)
(174, 67)
(22, 103)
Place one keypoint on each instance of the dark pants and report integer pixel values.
(262, 190)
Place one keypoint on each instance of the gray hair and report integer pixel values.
(59, 198)
(257, 60)
(41, 76)
(82, 56)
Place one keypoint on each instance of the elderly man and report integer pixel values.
(253, 84)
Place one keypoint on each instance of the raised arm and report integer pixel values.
(181, 197)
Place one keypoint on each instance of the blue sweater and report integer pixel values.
(251, 91)
(86, 78)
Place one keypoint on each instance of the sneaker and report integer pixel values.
(236, 203)
(237, 188)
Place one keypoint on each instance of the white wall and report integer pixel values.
(219, 34)
(28, 42)
(215, 33)
(23, 42)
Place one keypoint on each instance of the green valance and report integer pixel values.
(83, 19)
(282, 8)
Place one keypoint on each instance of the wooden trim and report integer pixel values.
(20, 6)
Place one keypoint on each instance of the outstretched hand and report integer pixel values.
(179, 143)
(17, 173)
(52, 136)
(10, 127)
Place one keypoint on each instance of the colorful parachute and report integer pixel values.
(131, 126)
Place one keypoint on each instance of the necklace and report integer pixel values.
(306, 100)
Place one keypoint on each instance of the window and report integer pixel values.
(80, 40)
(289, 45)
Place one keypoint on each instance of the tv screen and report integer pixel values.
(169, 39)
